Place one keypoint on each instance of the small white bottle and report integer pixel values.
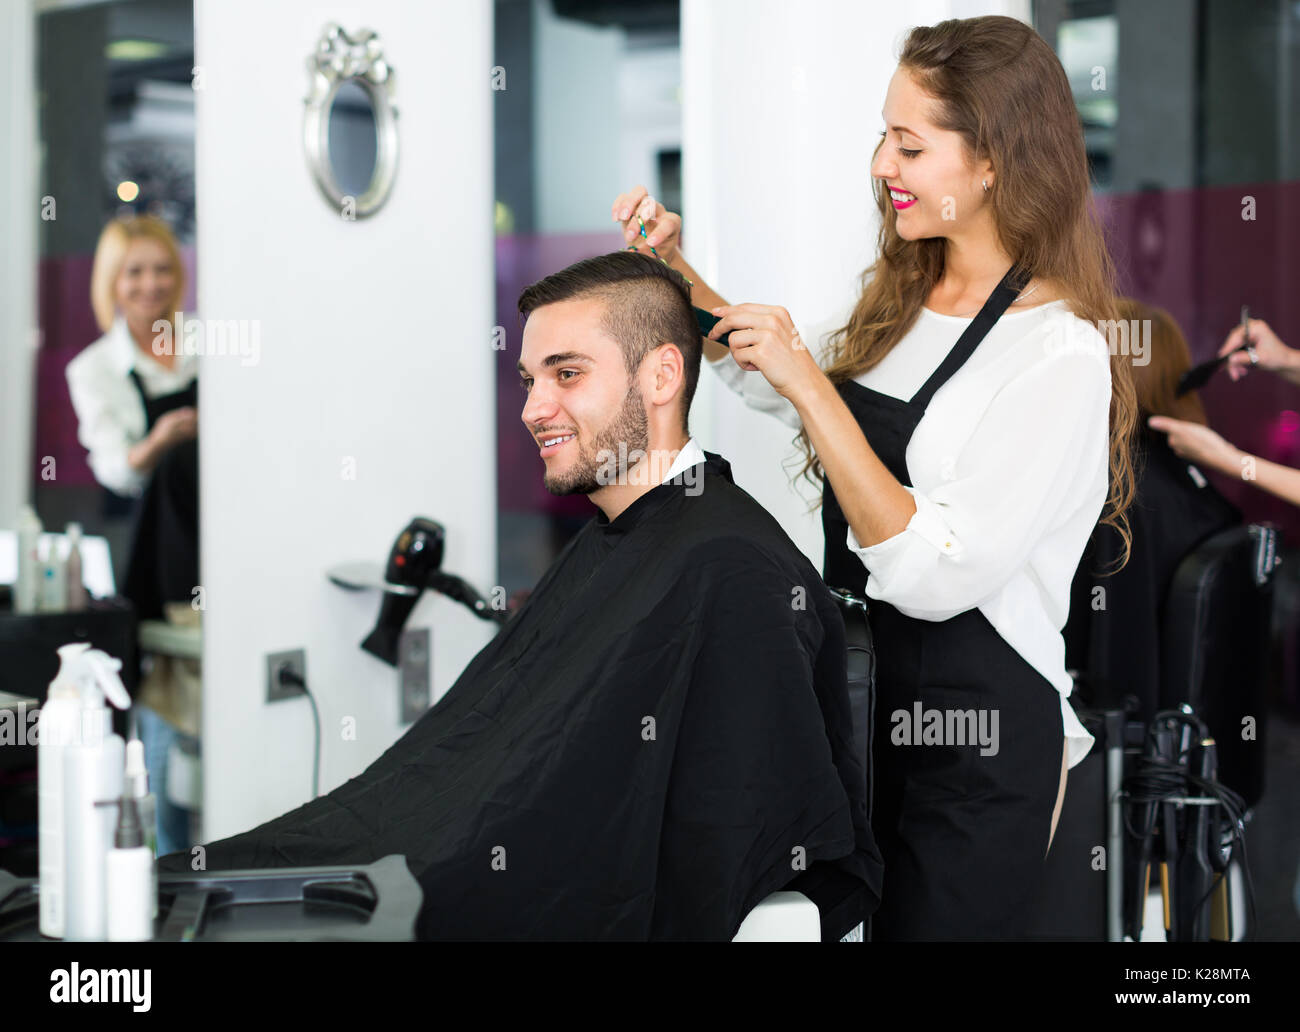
(93, 772)
(76, 597)
(57, 728)
(27, 585)
(128, 875)
(54, 594)
(137, 787)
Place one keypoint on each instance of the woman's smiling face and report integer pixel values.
(146, 283)
(934, 190)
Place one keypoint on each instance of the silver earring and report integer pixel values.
(986, 185)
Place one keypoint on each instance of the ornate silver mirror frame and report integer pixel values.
(341, 59)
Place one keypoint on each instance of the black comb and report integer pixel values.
(1199, 376)
(706, 322)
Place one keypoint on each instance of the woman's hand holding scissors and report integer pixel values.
(648, 226)
(1270, 353)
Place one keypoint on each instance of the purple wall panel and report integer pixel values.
(1192, 253)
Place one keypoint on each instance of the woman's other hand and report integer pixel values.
(171, 429)
(764, 338)
(176, 426)
(1272, 354)
(1199, 444)
(663, 227)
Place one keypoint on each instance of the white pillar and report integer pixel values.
(375, 351)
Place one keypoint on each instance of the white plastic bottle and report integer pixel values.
(54, 587)
(137, 786)
(128, 875)
(57, 728)
(93, 772)
(27, 585)
(76, 591)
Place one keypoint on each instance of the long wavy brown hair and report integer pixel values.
(1002, 88)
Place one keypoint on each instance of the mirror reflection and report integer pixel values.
(353, 140)
(117, 427)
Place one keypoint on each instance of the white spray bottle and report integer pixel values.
(93, 772)
(58, 727)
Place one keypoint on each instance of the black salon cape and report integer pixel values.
(652, 745)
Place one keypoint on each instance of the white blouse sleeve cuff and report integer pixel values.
(901, 569)
(927, 524)
(1077, 738)
(118, 475)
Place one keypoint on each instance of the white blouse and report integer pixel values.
(1009, 467)
(110, 416)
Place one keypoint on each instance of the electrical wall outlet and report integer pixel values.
(414, 662)
(295, 660)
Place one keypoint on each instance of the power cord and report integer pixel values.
(1157, 781)
(287, 676)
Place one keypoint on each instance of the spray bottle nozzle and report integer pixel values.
(92, 674)
(104, 673)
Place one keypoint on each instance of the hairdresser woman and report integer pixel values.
(136, 395)
(970, 428)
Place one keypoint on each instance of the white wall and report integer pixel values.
(650, 114)
(375, 344)
(20, 206)
(780, 114)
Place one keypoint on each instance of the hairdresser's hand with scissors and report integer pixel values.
(1270, 353)
(763, 337)
(648, 227)
(663, 228)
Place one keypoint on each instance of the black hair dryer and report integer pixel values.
(415, 554)
(414, 564)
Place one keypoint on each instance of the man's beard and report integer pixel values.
(589, 473)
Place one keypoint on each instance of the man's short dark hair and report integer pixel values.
(646, 304)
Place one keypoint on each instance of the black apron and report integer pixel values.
(164, 562)
(963, 834)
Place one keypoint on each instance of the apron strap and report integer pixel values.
(998, 302)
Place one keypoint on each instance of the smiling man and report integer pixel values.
(661, 736)
(610, 361)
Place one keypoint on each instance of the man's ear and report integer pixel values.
(669, 367)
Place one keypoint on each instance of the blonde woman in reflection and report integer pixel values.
(136, 400)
